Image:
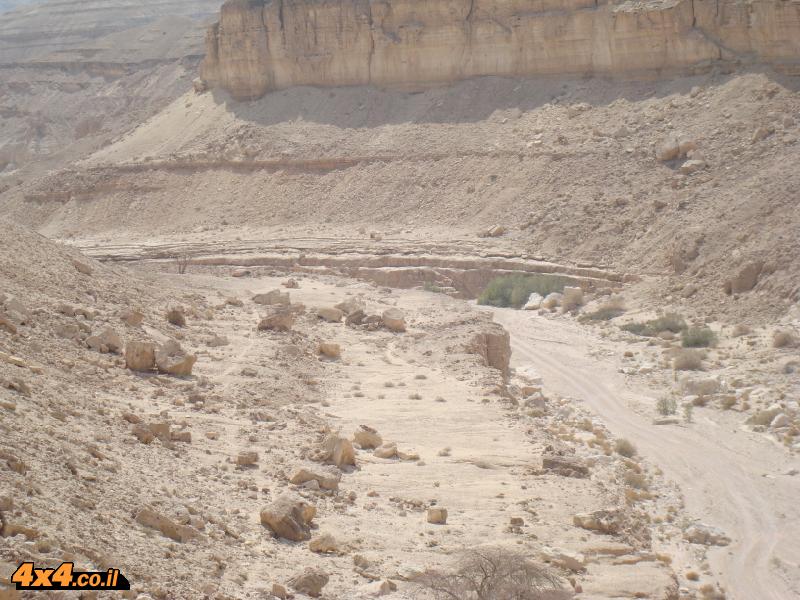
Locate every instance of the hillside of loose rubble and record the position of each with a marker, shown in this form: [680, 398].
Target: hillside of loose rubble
[74, 74]
[177, 471]
[685, 182]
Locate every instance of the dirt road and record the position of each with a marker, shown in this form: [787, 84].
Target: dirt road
[731, 478]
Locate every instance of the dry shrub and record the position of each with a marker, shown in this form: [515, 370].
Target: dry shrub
[783, 338]
[666, 406]
[698, 337]
[688, 360]
[671, 322]
[493, 573]
[625, 448]
[612, 308]
[637, 481]
[182, 264]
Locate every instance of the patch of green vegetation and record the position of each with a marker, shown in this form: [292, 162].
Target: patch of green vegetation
[514, 290]
[698, 337]
[668, 322]
[429, 286]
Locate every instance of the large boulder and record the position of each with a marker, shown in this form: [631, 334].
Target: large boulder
[563, 559]
[386, 450]
[394, 320]
[355, 318]
[172, 360]
[493, 344]
[326, 544]
[693, 166]
[289, 517]
[367, 437]
[17, 312]
[326, 477]
[7, 325]
[176, 317]
[310, 582]
[330, 314]
[348, 307]
[566, 466]
[132, 318]
[745, 279]
[437, 515]
[552, 301]
[602, 521]
[336, 450]
[279, 320]
[330, 350]
[167, 527]
[534, 302]
[706, 535]
[140, 356]
[673, 147]
[275, 297]
[107, 340]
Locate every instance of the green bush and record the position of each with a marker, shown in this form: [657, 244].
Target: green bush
[668, 322]
[429, 286]
[514, 290]
[698, 337]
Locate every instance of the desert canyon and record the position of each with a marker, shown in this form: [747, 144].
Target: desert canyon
[348, 299]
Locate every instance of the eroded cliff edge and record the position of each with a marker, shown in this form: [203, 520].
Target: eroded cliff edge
[263, 45]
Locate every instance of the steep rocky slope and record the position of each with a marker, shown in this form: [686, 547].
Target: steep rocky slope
[264, 45]
[72, 74]
[570, 168]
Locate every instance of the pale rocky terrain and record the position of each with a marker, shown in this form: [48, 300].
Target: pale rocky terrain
[275, 445]
[74, 74]
[107, 466]
[549, 161]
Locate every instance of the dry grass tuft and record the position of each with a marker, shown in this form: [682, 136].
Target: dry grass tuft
[688, 360]
[625, 448]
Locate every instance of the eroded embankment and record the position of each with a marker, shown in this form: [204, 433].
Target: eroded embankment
[454, 269]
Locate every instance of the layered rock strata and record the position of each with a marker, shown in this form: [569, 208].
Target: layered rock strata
[263, 45]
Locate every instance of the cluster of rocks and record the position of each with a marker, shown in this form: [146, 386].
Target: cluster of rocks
[354, 314]
[569, 300]
[678, 147]
[169, 358]
[291, 516]
[283, 314]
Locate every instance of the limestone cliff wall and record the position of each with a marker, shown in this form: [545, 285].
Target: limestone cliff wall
[264, 45]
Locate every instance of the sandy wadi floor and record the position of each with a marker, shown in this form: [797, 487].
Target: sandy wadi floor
[166, 477]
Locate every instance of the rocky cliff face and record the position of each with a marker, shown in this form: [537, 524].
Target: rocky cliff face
[263, 45]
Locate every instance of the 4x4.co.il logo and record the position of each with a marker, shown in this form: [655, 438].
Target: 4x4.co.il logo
[65, 577]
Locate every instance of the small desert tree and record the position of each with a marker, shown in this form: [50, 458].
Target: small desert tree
[182, 263]
[493, 573]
